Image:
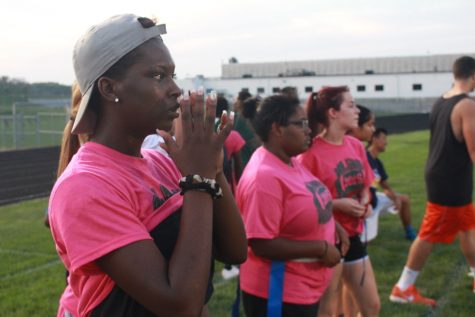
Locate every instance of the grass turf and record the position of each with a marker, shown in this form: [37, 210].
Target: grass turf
[32, 278]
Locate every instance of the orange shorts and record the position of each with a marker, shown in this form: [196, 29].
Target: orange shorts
[442, 223]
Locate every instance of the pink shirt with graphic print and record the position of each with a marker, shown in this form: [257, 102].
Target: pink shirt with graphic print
[278, 200]
[103, 201]
[344, 169]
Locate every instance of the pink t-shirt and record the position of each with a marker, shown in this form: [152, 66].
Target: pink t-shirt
[233, 143]
[278, 200]
[105, 200]
[344, 169]
[68, 302]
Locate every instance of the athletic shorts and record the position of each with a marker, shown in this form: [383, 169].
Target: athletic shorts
[442, 223]
[357, 250]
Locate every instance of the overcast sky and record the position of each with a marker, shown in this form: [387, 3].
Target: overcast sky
[37, 37]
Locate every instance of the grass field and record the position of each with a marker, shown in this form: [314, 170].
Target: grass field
[32, 278]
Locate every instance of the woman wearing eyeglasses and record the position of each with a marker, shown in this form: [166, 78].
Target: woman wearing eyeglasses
[288, 218]
[339, 160]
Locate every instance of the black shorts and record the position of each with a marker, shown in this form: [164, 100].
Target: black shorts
[357, 250]
[257, 307]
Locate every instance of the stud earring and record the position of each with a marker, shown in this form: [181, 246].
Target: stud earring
[116, 100]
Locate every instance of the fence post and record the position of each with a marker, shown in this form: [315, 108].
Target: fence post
[38, 135]
[4, 123]
[14, 126]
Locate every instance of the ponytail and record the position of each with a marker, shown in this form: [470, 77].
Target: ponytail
[70, 143]
[319, 103]
[313, 115]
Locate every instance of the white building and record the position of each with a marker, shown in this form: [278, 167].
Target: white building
[396, 84]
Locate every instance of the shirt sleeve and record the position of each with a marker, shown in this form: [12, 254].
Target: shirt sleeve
[261, 206]
[234, 142]
[382, 171]
[92, 218]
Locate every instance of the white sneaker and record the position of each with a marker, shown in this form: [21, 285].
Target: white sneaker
[470, 274]
[231, 273]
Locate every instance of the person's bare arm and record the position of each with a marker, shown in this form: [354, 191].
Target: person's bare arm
[388, 190]
[282, 249]
[342, 238]
[467, 115]
[229, 238]
[237, 165]
[177, 288]
[349, 206]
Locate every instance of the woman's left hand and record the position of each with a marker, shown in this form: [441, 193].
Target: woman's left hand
[368, 211]
[342, 239]
[225, 120]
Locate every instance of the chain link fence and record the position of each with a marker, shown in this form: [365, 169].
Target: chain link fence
[31, 126]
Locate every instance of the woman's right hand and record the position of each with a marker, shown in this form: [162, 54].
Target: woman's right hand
[349, 206]
[332, 256]
[197, 146]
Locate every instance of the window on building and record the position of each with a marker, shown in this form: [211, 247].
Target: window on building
[361, 88]
[260, 90]
[309, 89]
[276, 90]
[378, 87]
[245, 89]
[416, 86]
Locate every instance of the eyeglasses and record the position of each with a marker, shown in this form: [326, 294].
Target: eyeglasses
[301, 123]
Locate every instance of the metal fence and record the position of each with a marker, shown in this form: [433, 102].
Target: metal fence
[30, 127]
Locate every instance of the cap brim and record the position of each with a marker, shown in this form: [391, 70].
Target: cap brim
[85, 119]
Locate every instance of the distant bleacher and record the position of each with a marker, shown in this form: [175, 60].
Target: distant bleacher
[27, 174]
[404, 122]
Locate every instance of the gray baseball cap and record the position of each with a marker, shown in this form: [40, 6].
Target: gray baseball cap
[102, 46]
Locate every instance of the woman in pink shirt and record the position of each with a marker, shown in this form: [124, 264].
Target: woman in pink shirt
[339, 160]
[288, 218]
[138, 230]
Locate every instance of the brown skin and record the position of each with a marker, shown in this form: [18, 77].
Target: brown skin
[148, 95]
[401, 202]
[229, 236]
[365, 132]
[462, 120]
[286, 142]
[237, 165]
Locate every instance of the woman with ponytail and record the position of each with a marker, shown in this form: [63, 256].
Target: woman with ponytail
[138, 231]
[339, 160]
